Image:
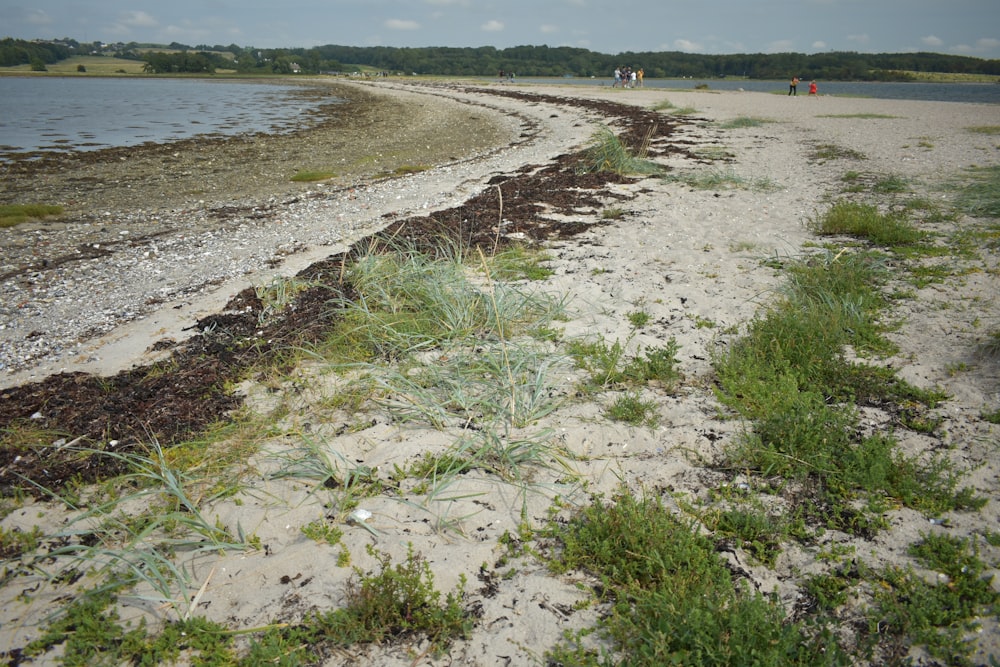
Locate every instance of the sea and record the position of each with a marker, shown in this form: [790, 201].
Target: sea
[45, 115]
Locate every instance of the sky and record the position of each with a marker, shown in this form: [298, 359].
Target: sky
[958, 27]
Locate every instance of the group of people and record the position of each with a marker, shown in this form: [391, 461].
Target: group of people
[793, 87]
[626, 77]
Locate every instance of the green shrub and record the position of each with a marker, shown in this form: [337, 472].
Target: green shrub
[673, 598]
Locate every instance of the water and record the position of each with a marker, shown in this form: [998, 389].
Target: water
[985, 93]
[49, 114]
[56, 114]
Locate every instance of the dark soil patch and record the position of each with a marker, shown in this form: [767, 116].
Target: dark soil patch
[177, 398]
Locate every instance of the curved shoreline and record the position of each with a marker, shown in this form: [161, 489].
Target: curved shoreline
[95, 292]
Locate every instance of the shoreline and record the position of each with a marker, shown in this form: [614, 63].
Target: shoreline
[148, 214]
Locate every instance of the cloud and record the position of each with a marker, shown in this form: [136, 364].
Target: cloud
[686, 45]
[987, 44]
[780, 46]
[859, 39]
[400, 24]
[931, 40]
[129, 21]
[138, 20]
[492, 26]
[819, 45]
[548, 29]
[37, 17]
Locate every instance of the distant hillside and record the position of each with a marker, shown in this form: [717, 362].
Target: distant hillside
[521, 60]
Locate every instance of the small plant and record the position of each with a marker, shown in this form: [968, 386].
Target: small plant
[396, 602]
[632, 409]
[744, 121]
[607, 366]
[825, 152]
[519, 262]
[15, 542]
[866, 221]
[608, 154]
[321, 531]
[890, 185]
[612, 213]
[407, 169]
[719, 179]
[638, 318]
[979, 194]
[278, 295]
[938, 616]
[306, 176]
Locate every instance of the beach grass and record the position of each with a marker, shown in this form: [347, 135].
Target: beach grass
[12, 215]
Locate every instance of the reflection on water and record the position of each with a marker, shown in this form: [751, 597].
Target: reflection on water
[57, 114]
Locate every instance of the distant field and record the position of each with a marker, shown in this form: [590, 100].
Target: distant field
[99, 65]
[94, 65]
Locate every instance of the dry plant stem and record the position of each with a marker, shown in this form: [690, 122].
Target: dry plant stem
[496, 241]
[503, 336]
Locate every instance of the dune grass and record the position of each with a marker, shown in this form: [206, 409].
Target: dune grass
[607, 153]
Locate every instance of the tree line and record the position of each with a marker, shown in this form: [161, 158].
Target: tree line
[521, 60]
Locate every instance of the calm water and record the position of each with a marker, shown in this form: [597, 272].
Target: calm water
[51, 114]
[986, 93]
[58, 114]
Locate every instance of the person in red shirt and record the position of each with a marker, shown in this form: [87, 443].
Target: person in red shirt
[812, 88]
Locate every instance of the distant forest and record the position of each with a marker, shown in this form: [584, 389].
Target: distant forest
[489, 61]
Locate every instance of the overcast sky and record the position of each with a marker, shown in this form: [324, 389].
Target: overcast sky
[963, 27]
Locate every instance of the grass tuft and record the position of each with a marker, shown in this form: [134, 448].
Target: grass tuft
[867, 222]
[12, 215]
[608, 154]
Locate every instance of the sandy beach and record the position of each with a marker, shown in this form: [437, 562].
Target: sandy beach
[699, 262]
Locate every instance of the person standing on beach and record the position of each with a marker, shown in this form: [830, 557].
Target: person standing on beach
[640, 74]
[618, 77]
[793, 86]
[812, 88]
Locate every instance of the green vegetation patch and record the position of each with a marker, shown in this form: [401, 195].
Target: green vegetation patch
[867, 222]
[14, 214]
[984, 129]
[745, 121]
[308, 176]
[979, 194]
[672, 597]
[789, 376]
[872, 116]
[825, 152]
